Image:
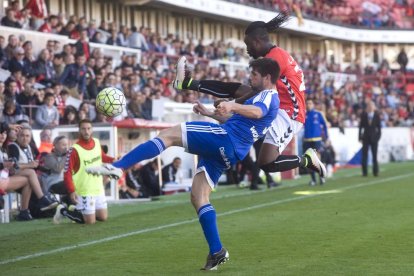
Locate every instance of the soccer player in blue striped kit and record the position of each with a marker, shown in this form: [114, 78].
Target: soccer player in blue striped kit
[218, 146]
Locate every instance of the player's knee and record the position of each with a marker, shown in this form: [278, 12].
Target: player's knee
[102, 218]
[194, 199]
[171, 136]
[197, 200]
[90, 221]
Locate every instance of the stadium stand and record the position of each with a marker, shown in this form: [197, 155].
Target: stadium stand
[140, 62]
[371, 14]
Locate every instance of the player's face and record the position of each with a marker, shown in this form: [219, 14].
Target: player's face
[85, 131]
[256, 81]
[251, 47]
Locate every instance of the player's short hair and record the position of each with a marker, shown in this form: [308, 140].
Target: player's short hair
[261, 29]
[266, 66]
[84, 121]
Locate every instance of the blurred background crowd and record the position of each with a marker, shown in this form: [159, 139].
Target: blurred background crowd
[40, 84]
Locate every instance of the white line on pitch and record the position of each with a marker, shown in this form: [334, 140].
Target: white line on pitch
[162, 227]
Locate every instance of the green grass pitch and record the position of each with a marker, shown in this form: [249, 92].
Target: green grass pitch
[350, 226]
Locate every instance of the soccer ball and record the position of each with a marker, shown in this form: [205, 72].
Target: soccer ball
[110, 102]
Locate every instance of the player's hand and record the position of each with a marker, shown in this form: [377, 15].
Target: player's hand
[199, 108]
[224, 108]
[217, 102]
[74, 198]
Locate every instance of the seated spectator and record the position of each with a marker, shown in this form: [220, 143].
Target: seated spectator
[74, 77]
[49, 25]
[148, 177]
[134, 107]
[44, 70]
[14, 84]
[24, 180]
[11, 90]
[46, 145]
[82, 45]
[18, 62]
[55, 162]
[25, 19]
[10, 19]
[60, 99]
[2, 88]
[28, 56]
[112, 39]
[131, 188]
[13, 113]
[88, 110]
[68, 29]
[47, 114]
[98, 37]
[170, 171]
[27, 97]
[70, 117]
[58, 65]
[13, 43]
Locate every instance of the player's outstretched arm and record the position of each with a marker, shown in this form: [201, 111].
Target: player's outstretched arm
[249, 111]
[200, 109]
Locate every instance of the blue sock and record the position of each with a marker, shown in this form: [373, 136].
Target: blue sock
[147, 150]
[208, 221]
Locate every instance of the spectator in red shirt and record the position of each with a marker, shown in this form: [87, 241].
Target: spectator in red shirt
[49, 25]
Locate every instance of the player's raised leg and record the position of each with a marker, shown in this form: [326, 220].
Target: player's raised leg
[150, 149]
[183, 80]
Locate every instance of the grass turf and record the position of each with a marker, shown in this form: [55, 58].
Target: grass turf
[350, 226]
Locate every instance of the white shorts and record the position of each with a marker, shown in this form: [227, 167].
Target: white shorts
[282, 130]
[89, 204]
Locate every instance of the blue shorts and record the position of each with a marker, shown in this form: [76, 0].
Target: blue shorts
[213, 147]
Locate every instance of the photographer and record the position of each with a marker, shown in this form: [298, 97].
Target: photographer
[11, 180]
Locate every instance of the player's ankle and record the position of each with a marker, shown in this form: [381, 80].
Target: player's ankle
[304, 161]
[187, 83]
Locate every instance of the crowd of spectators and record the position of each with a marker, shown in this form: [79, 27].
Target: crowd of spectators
[392, 92]
[39, 87]
[369, 14]
[58, 85]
